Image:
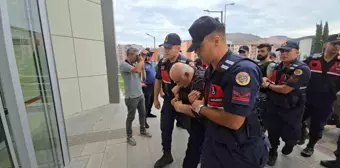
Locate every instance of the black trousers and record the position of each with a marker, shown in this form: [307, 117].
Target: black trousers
[319, 115]
[148, 95]
[195, 143]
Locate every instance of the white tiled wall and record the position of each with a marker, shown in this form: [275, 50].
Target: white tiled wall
[94, 91]
[70, 97]
[78, 45]
[64, 56]
[59, 17]
[90, 57]
[86, 19]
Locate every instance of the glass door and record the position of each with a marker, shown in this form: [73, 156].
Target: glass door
[7, 156]
[33, 70]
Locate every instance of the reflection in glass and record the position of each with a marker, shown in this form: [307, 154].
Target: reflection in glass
[35, 80]
[5, 157]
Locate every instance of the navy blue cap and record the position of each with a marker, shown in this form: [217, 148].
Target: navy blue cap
[202, 27]
[272, 54]
[244, 48]
[171, 40]
[334, 38]
[288, 45]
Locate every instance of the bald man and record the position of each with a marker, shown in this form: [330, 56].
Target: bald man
[189, 79]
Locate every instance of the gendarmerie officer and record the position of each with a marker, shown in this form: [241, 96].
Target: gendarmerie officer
[321, 92]
[172, 46]
[189, 79]
[286, 99]
[267, 67]
[233, 137]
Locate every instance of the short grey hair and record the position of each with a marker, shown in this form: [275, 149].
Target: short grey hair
[186, 69]
[131, 51]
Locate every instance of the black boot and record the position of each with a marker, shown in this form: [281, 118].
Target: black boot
[287, 149]
[330, 163]
[164, 160]
[272, 157]
[147, 125]
[307, 152]
[151, 115]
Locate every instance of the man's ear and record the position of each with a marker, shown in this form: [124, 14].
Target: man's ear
[186, 74]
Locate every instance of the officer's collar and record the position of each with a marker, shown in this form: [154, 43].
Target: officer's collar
[223, 59]
[210, 68]
[179, 57]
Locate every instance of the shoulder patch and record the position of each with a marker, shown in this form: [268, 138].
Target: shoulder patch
[298, 72]
[242, 78]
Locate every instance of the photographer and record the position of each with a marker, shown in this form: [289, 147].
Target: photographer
[134, 98]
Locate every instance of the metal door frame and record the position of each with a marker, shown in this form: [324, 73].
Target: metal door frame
[13, 91]
[54, 80]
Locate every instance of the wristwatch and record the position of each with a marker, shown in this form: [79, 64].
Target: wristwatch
[198, 109]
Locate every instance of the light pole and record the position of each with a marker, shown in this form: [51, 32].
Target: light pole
[154, 40]
[210, 11]
[225, 10]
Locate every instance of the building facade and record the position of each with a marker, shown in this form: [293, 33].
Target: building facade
[57, 60]
[306, 45]
[121, 49]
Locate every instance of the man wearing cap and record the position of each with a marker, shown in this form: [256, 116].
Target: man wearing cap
[172, 47]
[233, 137]
[130, 70]
[148, 86]
[267, 67]
[273, 56]
[286, 99]
[244, 51]
[321, 92]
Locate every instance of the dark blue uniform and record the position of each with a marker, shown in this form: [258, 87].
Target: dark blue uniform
[168, 112]
[285, 111]
[233, 87]
[197, 125]
[321, 94]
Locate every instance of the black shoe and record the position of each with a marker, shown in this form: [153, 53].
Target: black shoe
[330, 163]
[307, 152]
[147, 125]
[338, 125]
[164, 160]
[272, 158]
[151, 116]
[287, 149]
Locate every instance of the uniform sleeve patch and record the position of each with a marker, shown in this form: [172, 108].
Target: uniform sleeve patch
[298, 72]
[241, 95]
[242, 78]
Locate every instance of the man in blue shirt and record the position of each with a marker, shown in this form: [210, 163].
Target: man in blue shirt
[148, 85]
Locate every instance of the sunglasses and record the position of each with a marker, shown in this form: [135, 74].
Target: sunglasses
[241, 52]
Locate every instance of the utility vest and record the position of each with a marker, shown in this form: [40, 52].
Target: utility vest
[167, 83]
[251, 129]
[325, 83]
[295, 98]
